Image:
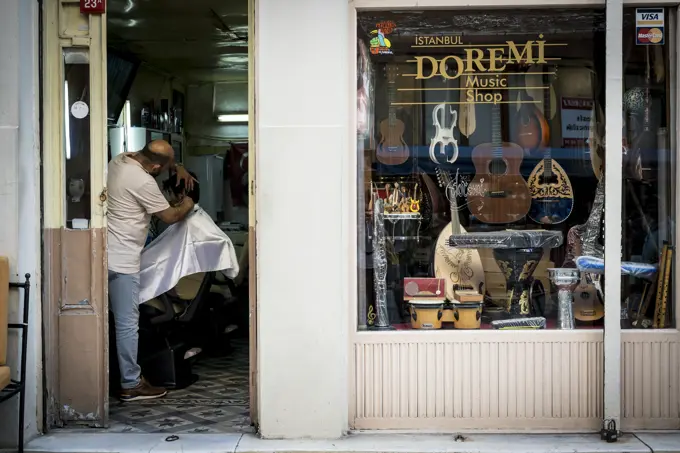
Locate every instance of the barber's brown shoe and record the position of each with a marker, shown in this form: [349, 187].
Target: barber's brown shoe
[144, 391]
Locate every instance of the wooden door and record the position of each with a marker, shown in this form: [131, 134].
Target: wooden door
[75, 305]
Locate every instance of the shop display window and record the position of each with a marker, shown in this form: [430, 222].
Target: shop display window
[480, 139]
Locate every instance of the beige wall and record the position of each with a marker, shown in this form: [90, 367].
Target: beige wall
[19, 196]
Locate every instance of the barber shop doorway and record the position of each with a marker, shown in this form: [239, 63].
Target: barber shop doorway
[167, 70]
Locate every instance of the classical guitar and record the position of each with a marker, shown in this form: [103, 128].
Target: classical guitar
[459, 267]
[582, 240]
[498, 193]
[392, 149]
[552, 197]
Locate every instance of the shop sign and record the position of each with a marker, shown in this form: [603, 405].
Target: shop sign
[482, 68]
[576, 121]
[380, 44]
[649, 26]
[92, 6]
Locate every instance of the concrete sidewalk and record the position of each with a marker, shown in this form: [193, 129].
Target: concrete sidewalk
[644, 442]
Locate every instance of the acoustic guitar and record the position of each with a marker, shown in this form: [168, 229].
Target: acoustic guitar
[552, 197]
[498, 193]
[459, 267]
[392, 149]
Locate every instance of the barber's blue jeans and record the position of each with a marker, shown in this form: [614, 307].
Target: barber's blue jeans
[124, 303]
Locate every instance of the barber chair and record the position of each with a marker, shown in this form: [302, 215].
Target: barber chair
[168, 326]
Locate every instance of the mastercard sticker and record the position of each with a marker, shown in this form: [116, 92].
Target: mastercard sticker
[649, 26]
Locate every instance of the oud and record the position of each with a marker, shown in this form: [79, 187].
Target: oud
[392, 149]
[459, 267]
[498, 193]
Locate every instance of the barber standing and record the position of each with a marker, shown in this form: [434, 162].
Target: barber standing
[133, 197]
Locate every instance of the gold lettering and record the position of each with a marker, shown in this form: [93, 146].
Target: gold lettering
[419, 66]
[477, 60]
[494, 59]
[514, 56]
[541, 52]
[443, 66]
[419, 40]
[470, 96]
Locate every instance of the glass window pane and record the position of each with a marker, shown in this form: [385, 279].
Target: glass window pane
[77, 137]
[479, 161]
[649, 172]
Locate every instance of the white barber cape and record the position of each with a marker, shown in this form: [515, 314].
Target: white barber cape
[193, 245]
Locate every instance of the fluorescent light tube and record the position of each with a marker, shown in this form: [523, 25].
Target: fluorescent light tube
[240, 118]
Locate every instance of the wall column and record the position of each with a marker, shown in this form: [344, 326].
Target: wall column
[302, 94]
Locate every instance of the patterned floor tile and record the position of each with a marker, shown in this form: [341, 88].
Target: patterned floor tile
[217, 403]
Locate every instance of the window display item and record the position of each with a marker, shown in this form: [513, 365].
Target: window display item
[517, 253]
[392, 149]
[467, 316]
[565, 280]
[426, 314]
[467, 297]
[588, 305]
[423, 288]
[382, 320]
[519, 323]
[185, 248]
[443, 135]
[498, 194]
[468, 120]
[458, 266]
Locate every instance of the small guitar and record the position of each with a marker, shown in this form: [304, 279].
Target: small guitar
[392, 149]
[498, 193]
[533, 132]
[552, 197]
[459, 267]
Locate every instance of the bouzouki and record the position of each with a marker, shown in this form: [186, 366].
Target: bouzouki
[392, 149]
[498, 193]
[552, 197]
[459, 267]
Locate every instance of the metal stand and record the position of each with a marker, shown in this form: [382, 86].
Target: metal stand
[19, 387]
[382, 320]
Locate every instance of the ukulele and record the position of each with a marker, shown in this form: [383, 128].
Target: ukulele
[498, 193]
[552, 197]
[392, 149]
[459, 267]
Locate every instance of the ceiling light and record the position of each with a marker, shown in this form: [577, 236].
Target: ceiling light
[238, 118]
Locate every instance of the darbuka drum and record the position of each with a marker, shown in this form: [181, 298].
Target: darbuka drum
[467, 316]
[426, 315]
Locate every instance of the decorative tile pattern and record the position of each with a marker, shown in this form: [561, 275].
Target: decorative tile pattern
[216, 403]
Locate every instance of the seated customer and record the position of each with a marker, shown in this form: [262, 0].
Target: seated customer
[182, 249]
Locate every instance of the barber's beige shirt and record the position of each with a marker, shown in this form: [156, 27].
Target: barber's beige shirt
[133, 196]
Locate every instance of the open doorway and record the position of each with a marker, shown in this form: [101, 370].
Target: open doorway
[178, 71]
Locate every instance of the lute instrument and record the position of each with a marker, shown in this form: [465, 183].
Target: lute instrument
[498, 194]
[459, 267]
[552, 197]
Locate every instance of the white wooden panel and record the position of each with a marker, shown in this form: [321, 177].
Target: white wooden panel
[548, 380]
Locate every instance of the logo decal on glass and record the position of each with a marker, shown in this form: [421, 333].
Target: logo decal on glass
[380, 44]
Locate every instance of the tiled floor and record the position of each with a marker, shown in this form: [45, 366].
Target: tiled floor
[216, 403]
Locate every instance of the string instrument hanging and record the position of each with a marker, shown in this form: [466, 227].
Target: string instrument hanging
[532, 131]
[392, 149]
[498, 193]
[552, 196]
[443, 136]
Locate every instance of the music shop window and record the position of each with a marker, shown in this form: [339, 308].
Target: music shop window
[481, 182]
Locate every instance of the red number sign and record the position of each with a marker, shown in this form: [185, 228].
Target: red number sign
[92, 6]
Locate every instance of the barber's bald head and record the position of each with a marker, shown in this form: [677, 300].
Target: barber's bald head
[158, 154]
